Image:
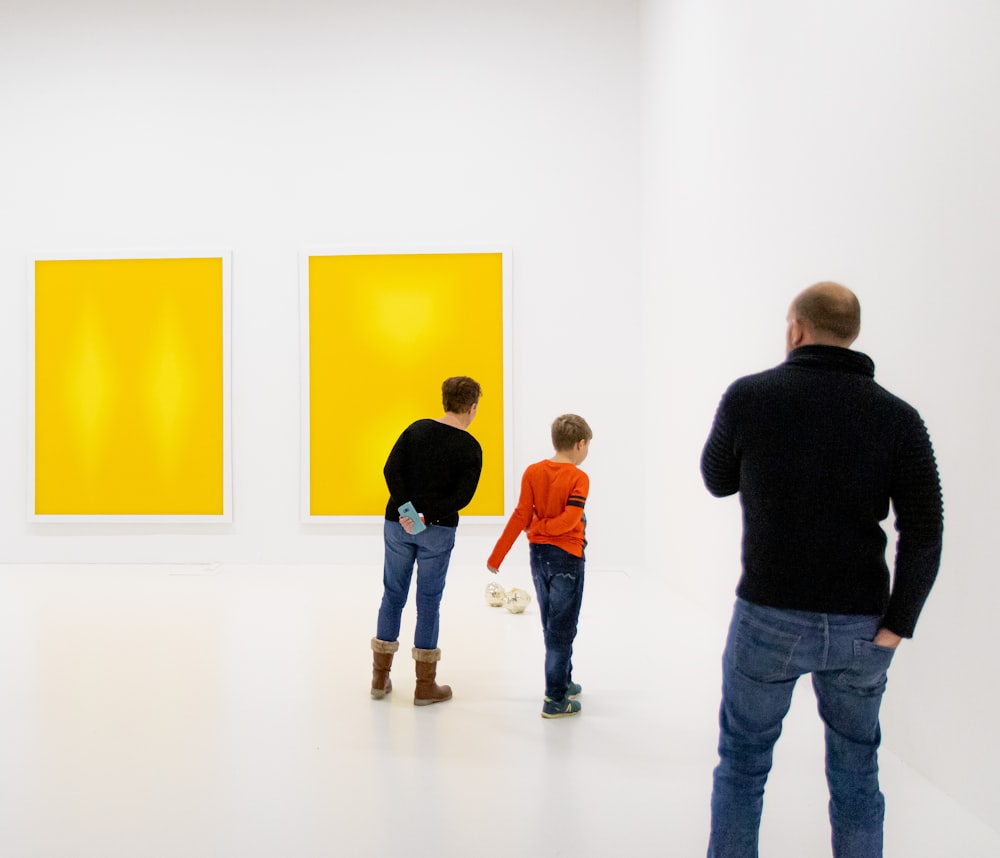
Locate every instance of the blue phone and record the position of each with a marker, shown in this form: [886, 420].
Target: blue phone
[410, 511]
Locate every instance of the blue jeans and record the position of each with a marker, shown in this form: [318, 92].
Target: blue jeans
[766, 652]
[558, 578]
[430, 550]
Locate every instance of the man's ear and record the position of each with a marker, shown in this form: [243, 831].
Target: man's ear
[796, 334]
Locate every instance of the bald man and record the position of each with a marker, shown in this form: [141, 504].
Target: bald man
[817, 452]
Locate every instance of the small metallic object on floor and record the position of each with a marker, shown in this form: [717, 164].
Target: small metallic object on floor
[517, 600]
[495, 595]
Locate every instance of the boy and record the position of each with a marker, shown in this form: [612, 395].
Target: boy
[550, 509]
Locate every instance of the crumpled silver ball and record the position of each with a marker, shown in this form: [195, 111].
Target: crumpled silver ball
[495, 595]
[517, 600]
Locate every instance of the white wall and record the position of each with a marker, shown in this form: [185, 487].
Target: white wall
[267, 127]
[782, 142]
[786, 142]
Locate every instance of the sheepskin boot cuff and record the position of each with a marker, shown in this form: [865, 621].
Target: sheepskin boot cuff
[426, 655]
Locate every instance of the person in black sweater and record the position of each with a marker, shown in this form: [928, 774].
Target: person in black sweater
[435, 465]
[818, 451]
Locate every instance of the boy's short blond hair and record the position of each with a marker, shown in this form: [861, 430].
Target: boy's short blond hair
[568, 430]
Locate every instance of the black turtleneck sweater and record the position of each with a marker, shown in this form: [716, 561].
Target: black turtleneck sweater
[817, 451]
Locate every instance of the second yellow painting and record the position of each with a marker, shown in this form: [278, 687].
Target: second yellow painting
[384, 330]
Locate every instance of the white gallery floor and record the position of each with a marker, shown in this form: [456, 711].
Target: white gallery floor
[151, 711]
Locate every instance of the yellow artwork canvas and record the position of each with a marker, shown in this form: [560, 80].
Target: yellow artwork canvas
[384, 330]
[130, 387]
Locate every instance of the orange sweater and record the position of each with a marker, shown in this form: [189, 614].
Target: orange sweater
[550, 508]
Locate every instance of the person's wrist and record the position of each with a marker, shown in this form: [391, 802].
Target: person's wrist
[886, 638]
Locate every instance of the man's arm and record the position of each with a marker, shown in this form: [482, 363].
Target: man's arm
[916, 500]
[720, 466]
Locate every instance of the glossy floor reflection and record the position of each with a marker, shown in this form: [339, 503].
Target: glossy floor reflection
[187, 711]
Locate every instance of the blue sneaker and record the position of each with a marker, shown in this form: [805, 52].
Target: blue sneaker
[559, 708]
[574, 689]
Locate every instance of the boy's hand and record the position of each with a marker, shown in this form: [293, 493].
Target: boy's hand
[492, 569]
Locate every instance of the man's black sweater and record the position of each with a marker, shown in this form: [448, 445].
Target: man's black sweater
[817, 451]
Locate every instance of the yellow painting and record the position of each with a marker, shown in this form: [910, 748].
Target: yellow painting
[130, 387]
[384, 330]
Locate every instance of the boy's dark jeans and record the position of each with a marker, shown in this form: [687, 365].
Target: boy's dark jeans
[558, 577]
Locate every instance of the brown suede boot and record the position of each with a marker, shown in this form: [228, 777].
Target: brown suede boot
[381, 664]
[427, 690]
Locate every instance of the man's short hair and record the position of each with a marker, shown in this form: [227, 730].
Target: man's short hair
[568, 430]
[831, 309]
[459, 393]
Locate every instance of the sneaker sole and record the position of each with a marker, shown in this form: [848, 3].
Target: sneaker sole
[560, 714]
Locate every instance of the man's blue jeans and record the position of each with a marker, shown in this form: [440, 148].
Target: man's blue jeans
[430, 550]
[766, 652]
[558, 578]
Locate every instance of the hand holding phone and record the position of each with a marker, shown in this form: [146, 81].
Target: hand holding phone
[408, 510]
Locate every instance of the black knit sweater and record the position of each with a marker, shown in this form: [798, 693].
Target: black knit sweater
[436, 466]
[817, 450]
